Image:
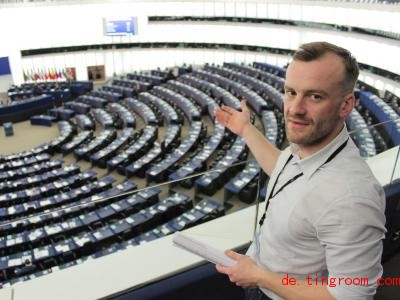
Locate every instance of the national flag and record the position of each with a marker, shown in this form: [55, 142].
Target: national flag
[25, 76]
[64, 71]
[36, 76]
[53, 75]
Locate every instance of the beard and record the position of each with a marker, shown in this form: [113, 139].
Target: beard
[314, 133]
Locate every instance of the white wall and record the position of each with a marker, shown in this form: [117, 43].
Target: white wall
[378, 52]
[128, 60]
[60, 25]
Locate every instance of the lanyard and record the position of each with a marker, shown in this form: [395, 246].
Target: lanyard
[272, 195]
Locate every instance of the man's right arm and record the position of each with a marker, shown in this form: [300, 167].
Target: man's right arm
[265, 153]
[239, 123]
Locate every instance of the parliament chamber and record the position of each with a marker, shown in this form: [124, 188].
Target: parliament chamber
[135, 154]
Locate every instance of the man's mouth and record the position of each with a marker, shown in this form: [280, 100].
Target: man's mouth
[298, 123]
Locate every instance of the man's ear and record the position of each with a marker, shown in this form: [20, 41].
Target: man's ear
[347, 105]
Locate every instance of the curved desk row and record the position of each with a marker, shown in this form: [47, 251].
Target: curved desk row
[23, 110]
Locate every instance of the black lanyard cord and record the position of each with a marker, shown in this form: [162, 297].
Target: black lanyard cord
[272, 195]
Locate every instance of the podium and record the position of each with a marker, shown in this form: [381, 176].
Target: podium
[8, 129]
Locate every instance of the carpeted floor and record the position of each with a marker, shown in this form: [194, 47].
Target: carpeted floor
[26, 137]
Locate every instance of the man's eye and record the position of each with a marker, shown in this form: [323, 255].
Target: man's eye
[316, 97]
[290, 93]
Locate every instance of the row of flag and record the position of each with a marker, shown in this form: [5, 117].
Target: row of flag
[43, 75]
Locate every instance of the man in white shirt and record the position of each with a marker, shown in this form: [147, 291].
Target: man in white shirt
[321, 237]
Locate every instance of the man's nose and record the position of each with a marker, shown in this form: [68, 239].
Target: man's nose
[298, 105]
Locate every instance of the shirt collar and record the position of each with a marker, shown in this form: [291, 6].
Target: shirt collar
[311, 164]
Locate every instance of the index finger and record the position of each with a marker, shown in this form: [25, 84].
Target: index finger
[222, 269]
[228, 109]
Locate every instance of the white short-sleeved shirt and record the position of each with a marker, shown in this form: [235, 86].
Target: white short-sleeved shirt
[329, 222]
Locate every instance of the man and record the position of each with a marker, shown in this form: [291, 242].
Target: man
[325, 217]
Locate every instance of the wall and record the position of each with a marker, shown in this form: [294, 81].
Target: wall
[68, 25]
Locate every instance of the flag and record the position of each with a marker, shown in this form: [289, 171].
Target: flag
[36, 76]
[53, 75]
[49, 74]
[25, 76]
[65, 74]
[41, 76]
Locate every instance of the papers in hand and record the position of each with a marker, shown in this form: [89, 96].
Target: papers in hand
[201, 249]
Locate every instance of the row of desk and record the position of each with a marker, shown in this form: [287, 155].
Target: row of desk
[75, 232]
[210, 182]
[78, 107]
[105, 137]
[124, 91]
[191, 112]
[234, 80]
[276, 81]
[67, 131]
[240, 183]
[21, 110]
[139, 166]
[110, 96]
[33, 180]
[136, 85]
[63, 205]
[63, 94]
[204, 211]
[85, 122]
[266, 90]
[41, 149]
[137, 148]
[36, 199]
[270, 69]
[199, 161]
[24, 161]
[38, 98]
[128, 118]
[151, 79]
[36, 168]
[169, 113]
[143, 110]
[158, 171]
[384, 113]
[361, 134]
[103, 117]
[100, 157]
[218, 93]
[82, 137]
[201, 99]
[92, 101]
[49, 254]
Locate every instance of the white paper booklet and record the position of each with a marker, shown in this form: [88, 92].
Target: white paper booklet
[199, 248]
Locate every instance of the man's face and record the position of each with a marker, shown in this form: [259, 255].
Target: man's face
[315, 104]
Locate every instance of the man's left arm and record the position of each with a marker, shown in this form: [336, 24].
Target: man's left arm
[351, 232]
[246, 273]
